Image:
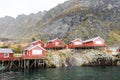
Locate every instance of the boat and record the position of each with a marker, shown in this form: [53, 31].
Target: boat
[1, 67]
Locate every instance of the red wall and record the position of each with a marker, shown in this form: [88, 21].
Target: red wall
[53, 44]
[9, 58]
[72, 45]
[30, 55]
[92, 44]
[39, 42]
[89, 44]
[118, 50]
[103, 43]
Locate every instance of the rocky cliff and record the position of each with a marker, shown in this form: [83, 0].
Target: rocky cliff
[84, 19]
[64, 58]
[74, 18]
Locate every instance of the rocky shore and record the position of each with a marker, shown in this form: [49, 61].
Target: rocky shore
[89, 57]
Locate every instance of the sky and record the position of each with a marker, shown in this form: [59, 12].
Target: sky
[14, 8]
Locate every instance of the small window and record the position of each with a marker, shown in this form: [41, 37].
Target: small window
[77, 43]
[6, 55]
[57, 43]
[36, 52]
[98, 42]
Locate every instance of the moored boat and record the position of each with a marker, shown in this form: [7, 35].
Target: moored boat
[1, 67]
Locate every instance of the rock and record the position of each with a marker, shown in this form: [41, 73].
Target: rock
[118, 63]
[64, 58]
[110, 6]
[76, 61]
[56, 60]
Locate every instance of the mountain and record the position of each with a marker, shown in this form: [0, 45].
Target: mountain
[72, 19]
[21, 28]
[84, 19]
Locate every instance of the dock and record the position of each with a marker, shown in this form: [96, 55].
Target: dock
[21, 63]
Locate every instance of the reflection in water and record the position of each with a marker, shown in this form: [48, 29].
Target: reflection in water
[70, 73]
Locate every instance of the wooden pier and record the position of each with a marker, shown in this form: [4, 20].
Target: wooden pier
[19, 63]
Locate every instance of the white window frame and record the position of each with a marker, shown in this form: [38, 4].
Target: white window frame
[36, 52]
[56, 43]
[98, 42]
[6, 55]
[77, 43]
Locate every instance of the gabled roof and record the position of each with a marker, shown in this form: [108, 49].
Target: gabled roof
[53, 40]
[93, 39]
[31, 47]
[6, 50]
[76, 39]
[36, 41]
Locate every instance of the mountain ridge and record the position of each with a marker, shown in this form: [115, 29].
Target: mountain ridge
[72, 19]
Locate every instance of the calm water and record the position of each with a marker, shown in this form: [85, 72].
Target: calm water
[71, 73]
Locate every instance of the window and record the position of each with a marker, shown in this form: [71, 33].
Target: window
[77, 43]
[98, 42]
[56, 43]
[6, 55]
[36, 52]
[39, 44]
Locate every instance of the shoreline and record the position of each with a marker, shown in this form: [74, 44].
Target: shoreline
[77, 58]
[67, 57]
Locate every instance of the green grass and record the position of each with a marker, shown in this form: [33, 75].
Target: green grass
[17, 55]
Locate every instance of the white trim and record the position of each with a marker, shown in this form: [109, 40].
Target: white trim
[98, 42]
[31, 47]
[76, 40]
[36, 52]
[6, 55]
[56, 43]
[54, 40]
[77, 43]
[93, 39]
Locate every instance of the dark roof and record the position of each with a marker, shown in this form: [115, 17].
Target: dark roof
[6, 50]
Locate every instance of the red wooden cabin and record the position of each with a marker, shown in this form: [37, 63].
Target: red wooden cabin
[38, 42]
[118, 50]
[34, 52]
[94, 42]
[77, 43]
[55, 44]
[6, 54]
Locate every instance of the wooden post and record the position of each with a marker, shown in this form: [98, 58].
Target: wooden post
[38, 63]
[27, 64]
[2, 63]
[35, 63]
[11, 64]
[24, 64]
[19, 62]
[8, 64]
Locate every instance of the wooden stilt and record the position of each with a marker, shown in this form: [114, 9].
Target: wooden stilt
[32, 64]
[38, 63]
[27, 64]
[11, 63]
[2, 63]
[19, 63]
[8, 64]
[35, 64]
[24, 64]
[14, 64]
